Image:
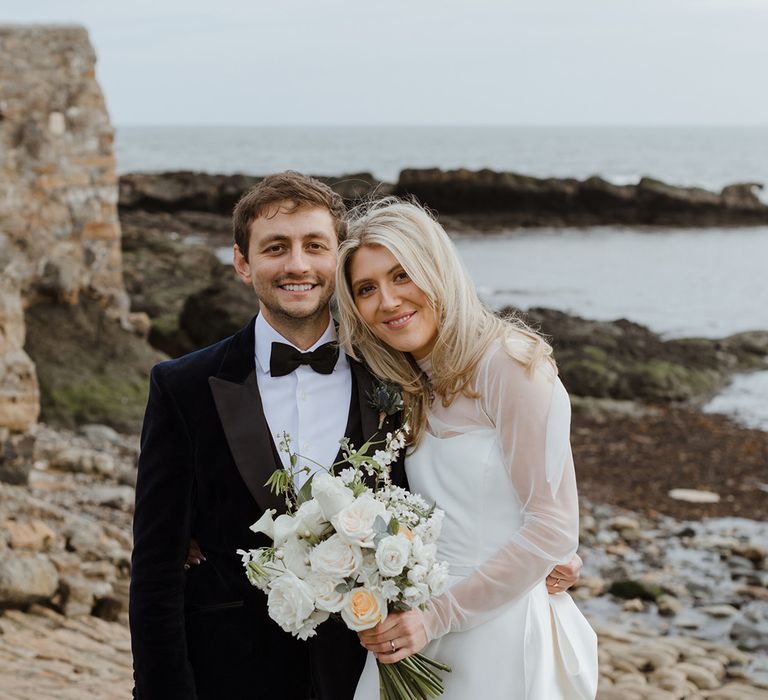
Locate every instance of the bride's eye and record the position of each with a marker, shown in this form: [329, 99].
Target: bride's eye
[402, 276]
[364, 290]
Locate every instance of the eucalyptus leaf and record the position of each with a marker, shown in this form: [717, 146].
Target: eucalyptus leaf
[305, 493]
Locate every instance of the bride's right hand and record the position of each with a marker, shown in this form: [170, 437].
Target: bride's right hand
[401, 635]
[563, 576]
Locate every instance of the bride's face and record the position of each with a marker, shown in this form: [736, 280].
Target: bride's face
[393, 307]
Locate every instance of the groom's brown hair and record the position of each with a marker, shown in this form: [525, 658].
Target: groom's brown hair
[294, 188]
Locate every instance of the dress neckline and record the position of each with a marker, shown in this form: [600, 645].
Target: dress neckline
[425, 365]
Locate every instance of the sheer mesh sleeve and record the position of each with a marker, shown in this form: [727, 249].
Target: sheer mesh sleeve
[531, 416]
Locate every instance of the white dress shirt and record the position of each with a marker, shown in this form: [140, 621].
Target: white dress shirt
[312, 408]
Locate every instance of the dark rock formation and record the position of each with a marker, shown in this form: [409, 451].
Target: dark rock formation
[219, 310]
[196, 191]
[624, 360]
[512, 199]
[90, 369]
[192, 298]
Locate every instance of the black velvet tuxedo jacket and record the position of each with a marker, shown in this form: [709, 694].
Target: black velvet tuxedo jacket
[206, 453]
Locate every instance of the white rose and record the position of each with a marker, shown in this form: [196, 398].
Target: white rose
[392, 555]
[265, 524]
[290, 602]
[437, 578]
[365, 608]
[283, 527]
[295, 556]
[355, 522]
[331, 494]
[327, 597]
[310, 519]
[336, 558]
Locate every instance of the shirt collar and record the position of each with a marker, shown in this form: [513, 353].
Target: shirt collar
[265, 335]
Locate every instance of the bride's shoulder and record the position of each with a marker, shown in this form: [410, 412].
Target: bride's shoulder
[515, 360]
[517, 351]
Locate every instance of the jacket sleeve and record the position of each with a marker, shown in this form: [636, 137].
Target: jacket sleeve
[531, 414]
[161, 532]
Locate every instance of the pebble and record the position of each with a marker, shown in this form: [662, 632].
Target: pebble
[694, 496]
[721, 611]
[668, 605]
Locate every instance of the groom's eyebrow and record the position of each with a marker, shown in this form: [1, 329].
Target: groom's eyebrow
[282, 237]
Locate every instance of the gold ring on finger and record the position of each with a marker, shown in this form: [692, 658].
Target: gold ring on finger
[392, 644]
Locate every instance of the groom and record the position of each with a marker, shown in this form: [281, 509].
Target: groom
[207, 449]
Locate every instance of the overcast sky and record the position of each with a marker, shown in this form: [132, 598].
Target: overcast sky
[542, 62]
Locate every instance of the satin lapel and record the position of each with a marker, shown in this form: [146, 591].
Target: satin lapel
[368, 417]
[242, 417]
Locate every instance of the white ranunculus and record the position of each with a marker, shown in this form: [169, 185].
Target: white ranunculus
[368, 573]
[310, 519]
[364, 609]
[355, 522]
[284, 527]
[416, 594]
[309, 628]
[389, 589]
[290, 602]
[331, 494]
[327, 597]
[336, 558]
[265, 524]
[437, 578]
[392, 554]
[296, 556]
[417, 574]
[421, 553]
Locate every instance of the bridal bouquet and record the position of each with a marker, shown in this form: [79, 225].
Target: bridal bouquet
[352, 545]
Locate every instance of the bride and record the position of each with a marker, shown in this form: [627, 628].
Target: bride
[490, 446]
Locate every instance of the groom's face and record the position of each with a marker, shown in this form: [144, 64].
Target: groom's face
[291, 262]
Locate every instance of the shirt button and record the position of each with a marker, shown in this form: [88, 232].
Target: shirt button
[303, 395]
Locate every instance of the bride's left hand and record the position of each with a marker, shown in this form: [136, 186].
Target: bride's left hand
[399, 636]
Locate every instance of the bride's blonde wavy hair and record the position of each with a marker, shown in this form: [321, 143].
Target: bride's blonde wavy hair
[466, 327]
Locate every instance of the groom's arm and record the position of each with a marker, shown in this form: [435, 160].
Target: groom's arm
[161, 532]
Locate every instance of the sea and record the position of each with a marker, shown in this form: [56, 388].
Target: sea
[680, 282]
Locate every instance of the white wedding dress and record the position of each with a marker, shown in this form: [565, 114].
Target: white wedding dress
[500, 467]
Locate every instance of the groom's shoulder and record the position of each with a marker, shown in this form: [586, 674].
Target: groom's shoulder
[200, 364]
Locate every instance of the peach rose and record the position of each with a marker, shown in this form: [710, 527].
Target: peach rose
[365, 608]
[406, 532]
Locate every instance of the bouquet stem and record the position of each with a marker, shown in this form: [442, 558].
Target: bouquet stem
[413, 678]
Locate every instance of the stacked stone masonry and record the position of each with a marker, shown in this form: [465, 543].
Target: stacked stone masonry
[59, 230]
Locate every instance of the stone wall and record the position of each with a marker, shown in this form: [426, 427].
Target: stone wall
[59, 231]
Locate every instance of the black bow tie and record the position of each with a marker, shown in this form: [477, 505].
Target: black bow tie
[285, 359]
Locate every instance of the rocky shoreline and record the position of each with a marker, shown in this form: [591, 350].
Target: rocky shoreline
[484, 199]
[680, 601]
